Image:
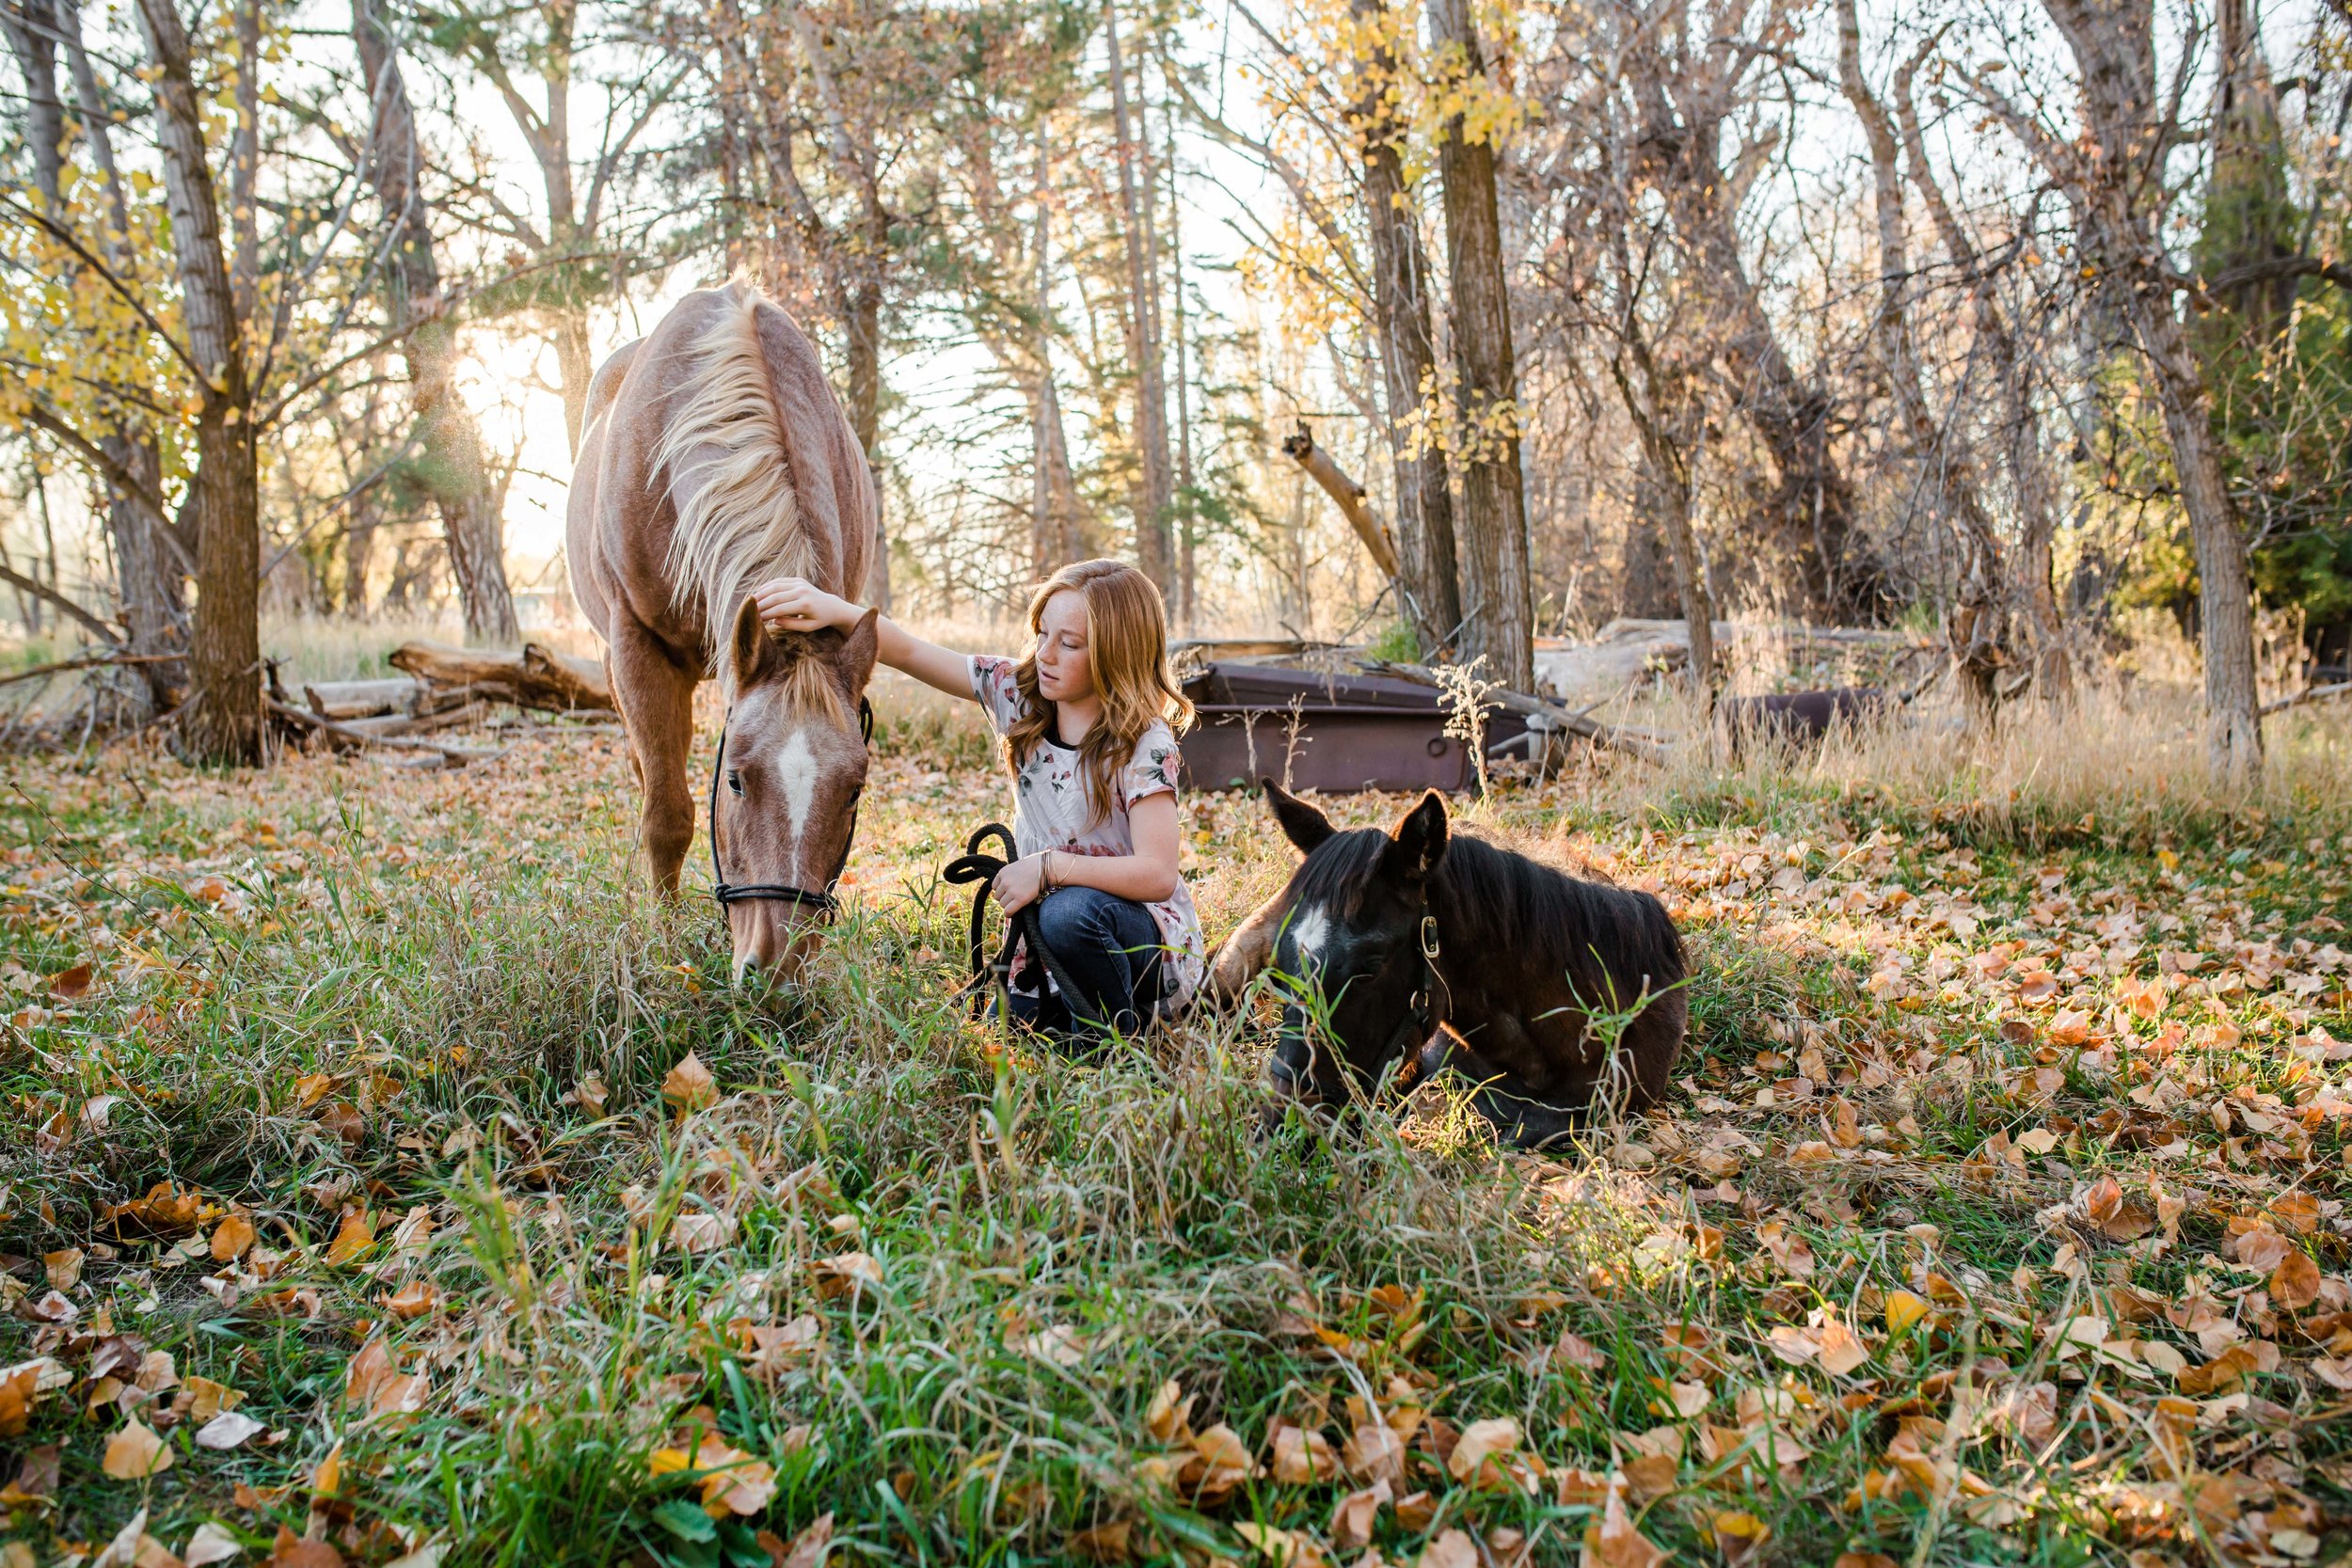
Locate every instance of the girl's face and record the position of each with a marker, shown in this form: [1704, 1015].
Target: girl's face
[1062, 675]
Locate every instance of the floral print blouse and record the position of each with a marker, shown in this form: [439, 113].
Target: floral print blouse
[1051, 811]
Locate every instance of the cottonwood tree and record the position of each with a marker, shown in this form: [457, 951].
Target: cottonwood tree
[2113, 167]
[1497, 611]
[450, 465]
[1975, 624]
[576, 260]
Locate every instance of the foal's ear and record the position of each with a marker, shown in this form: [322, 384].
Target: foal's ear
[1303, 824]
[1418, 841]
[854, 659]
[751, 647]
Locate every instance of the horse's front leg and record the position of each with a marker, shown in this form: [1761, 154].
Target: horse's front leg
[657, 702]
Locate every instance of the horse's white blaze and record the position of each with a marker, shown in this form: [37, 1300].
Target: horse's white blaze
[795, 771]
[1310, 931]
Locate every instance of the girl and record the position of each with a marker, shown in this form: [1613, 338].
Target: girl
[1089, 720]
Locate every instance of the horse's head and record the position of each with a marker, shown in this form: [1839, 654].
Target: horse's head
[785, 797]
[1349, 952]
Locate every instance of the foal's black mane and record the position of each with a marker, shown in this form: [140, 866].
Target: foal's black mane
[1496, 902]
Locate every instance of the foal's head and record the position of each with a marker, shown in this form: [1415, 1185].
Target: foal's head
[1350, 949]
[788, 781]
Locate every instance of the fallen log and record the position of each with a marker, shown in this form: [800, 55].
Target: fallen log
[536, 677]
[1555, 715]
[2308, 694]
[347, 700]
[452, 756]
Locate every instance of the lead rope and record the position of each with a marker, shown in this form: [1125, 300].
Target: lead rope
[974, 866]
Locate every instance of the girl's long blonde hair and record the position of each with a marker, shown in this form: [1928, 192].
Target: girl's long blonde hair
[1127, 660]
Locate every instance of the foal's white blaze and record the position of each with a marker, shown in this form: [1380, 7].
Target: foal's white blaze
[1312, 930]
[795, 771]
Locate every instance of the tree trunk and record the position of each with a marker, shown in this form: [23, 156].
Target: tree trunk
[1408, 359]
[32, 29]
[2233, 742]
[2118, 212]
[1974, 629]
[1055, 534]
[1498, 616]
[1189, 513]
[225, 722]
[150, 561]
[1153, 552]
[575, 366]
[2031, 486]
[864, 335]
[452, 468]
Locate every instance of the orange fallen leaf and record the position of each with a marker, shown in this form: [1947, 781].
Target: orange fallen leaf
[2294, 1283]
[136, 1452]
[232, 1237]
[689, 1085]
[352, 1238]
[71, 983]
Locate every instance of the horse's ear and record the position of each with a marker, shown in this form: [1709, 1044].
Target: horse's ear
[854, 659]
[1418, 841]
[1303, 824]
[751, 648]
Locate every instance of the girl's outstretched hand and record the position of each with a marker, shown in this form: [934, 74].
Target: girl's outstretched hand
[796, 604]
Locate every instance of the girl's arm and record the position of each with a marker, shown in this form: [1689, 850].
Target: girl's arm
[1147, 875]
[795, 604]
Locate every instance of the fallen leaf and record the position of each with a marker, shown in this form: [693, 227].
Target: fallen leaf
[845, 1274]
[1169, 1419]
[1612, 1542]
[701, 1232]
[1789, 1250]
[1453, 1548]
[1354, 1516]
[1738, 1535]
[1842, 1350]
[1374, 1453]
[591, 1093]
[411, 1301]
[1060, 1344]
[1302, 1457]
[690, 1087]
[2294, 1283]
[135, 1452]
[807, 1549]
[292, 1551]
[232, 1237]
[1481, 1443]
[1283, 1547]
[36, 1476]
[207, 1398]
[352, 1238]
[228, 1430]
[1101, 1543]
[72, 984]
[1905, 1310]
[209, 1544]
[64, 1267]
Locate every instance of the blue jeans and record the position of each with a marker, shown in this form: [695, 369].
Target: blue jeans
[1111, 949]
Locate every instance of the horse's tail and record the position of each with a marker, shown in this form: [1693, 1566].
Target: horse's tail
[728, 469]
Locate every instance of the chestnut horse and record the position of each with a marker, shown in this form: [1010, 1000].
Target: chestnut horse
[715, 456]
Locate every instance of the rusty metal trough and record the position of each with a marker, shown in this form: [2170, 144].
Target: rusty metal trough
[1324, 732]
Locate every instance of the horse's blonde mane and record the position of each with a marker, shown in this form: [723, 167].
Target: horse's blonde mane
[739, 520]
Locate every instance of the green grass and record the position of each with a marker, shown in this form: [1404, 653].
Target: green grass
[391, 995]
